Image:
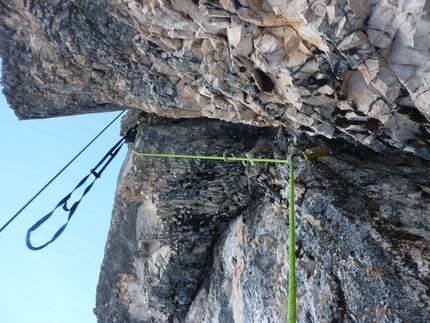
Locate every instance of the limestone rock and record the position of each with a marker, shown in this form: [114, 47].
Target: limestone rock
[336, 68]
[168, 214]
[204, 241]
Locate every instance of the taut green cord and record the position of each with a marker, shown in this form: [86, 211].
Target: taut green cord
[292, 272]
[221, 158]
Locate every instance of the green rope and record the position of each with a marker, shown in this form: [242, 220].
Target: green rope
[220, 158]
[292, 272]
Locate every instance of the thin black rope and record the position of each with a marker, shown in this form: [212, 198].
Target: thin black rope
[58, 174]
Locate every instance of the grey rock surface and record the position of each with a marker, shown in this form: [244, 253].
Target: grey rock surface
[175, 210]
[336, 68]
[204, 241]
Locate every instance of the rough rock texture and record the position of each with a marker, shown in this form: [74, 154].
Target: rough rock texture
[337, 68]
[168, 215]
[200, 241]
[203, 241]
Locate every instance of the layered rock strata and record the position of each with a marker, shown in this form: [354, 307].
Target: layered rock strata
[204, 241]
[168, 215]
[336, 68]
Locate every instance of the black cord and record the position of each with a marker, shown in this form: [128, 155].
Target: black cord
[58, 174]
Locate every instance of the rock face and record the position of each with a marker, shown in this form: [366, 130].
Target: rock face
[205, 241]
[335, 68]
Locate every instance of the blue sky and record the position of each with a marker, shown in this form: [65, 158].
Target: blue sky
[58, 283]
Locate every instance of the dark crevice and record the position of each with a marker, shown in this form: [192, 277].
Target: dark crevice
[266, 81]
